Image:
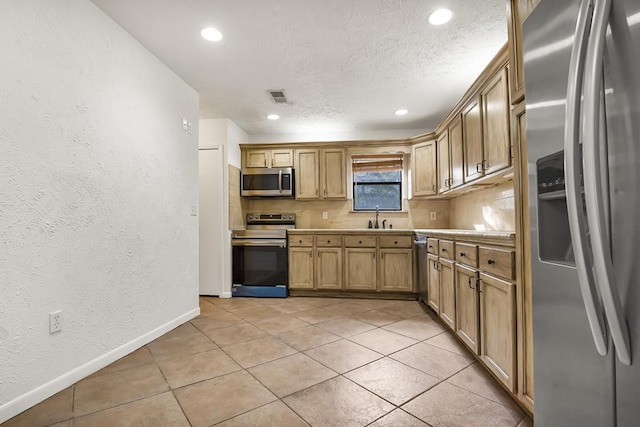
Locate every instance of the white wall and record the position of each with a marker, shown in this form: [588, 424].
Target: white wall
[97, 184]
[225, 133]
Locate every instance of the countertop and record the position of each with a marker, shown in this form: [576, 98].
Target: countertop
[502, 237]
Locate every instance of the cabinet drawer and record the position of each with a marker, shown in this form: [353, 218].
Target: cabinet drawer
[432, 246]
[497, 261]
[301, 240]
[467, 254]
[446, 249]
[396, 241]
[360, 241]
[328, 241]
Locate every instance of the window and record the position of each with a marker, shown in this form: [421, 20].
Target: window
[377, 181]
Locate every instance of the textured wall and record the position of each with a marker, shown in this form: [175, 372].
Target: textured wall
[490, 209]
[97, 184]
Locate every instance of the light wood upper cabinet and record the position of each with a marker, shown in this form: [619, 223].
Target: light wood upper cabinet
[333, 172]
[467, 307]
[301, 268]
[472, 137]
[329, 268]
[278, 158]
[444, 163]
[517, 12]
[307, 170]
[495, 111]
[320, 174]
[498, 328]
[456, 153]
[425, 169]
[396, 272]
[433, 284]
[447, 293]
[360, 269]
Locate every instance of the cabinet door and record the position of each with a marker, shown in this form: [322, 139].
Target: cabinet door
[396, 270]
[472, 140]
[360, 269]
[425, 169]
[447, 293]
[281, 158]
[307, 175]
[495, 115]
[329, 268]
[455, 150]
[498, 328]
[517, 12]
[467, 301]
[444, 165]
[301, 268]
[257, 158]
[334, 179]
[433, 284]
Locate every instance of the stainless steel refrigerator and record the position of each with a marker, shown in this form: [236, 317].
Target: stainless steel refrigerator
[582, 86]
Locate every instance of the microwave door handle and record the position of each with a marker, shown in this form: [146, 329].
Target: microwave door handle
[577, 221]
[280, 180]
[594, 194]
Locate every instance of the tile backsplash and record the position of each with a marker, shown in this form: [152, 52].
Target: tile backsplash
[489, 209]
[340, 215]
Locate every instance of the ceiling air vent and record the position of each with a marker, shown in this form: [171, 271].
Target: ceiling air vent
[277, 96]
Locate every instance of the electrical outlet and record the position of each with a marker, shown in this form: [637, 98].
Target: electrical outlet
[433, 216]
[55, 321]
[325, 215]
[190, 126]
[185, 124]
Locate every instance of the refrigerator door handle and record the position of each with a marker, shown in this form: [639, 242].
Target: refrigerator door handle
[600, 243]
[577, 221]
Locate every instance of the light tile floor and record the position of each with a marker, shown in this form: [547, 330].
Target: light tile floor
[290, 362]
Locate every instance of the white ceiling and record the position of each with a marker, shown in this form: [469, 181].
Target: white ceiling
[346, 65]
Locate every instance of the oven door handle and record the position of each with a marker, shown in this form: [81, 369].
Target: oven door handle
[259, 242]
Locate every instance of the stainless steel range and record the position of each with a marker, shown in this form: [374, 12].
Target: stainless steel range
[260, 258]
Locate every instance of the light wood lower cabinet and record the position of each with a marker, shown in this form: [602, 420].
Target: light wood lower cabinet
[447, 292]
[467, 307]
[301, 268]
[329, 268]
[396, 272]
[360, 267]
[353, 262]
[498, 328]
[433, 284]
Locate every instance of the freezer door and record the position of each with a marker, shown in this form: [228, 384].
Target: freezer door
[622, 106]
[574, 384]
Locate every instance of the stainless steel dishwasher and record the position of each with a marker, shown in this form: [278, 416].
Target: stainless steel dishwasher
[421, 271]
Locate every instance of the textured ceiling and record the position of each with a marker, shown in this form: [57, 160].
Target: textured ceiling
[346, 65]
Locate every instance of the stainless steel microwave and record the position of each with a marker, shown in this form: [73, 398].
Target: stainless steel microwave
[267, 182]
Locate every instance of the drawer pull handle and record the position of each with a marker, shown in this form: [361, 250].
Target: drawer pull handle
[299, 241]
[396, 242]
[430, 247]
[444, 250]
[328, 241]
[462, 254]
[360, 242]
[491, 262]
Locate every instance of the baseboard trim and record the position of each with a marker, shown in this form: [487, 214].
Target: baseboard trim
[225, 295]
[37, 395]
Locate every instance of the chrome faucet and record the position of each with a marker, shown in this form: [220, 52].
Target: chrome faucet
[376, 224]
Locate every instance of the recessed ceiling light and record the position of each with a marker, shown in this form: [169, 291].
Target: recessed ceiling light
[211, 34]
[401, 112]
[440, 16]
[273, 117]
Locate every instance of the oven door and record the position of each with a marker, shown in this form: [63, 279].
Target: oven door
[260, 262]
